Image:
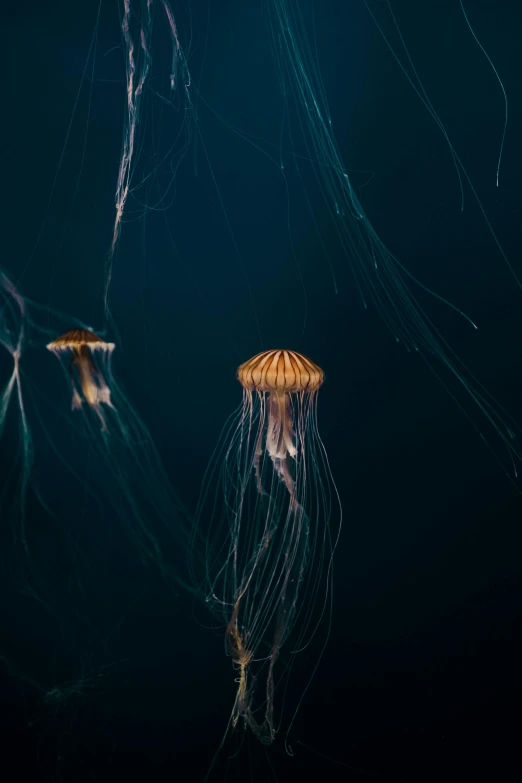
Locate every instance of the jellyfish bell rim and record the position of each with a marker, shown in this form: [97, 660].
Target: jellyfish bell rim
[101, 346]
[78, 338]
[314, 373]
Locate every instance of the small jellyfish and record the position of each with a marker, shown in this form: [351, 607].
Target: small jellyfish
[81, 344]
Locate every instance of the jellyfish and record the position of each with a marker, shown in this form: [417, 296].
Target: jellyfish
[270, 499]
[132, 475]
[116, 470]
[279, 374]
[81, 344]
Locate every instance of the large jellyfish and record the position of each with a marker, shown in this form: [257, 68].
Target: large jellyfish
[274, 521]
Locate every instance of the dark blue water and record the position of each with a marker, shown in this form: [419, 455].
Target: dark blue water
[110, 667]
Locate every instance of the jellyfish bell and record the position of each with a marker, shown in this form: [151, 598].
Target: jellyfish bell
[272, 520]
[81, 344]
[280, 371]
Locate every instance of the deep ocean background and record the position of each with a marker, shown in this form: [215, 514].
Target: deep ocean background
[421, 678]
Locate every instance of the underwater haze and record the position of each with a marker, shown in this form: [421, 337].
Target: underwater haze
[335, 178]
